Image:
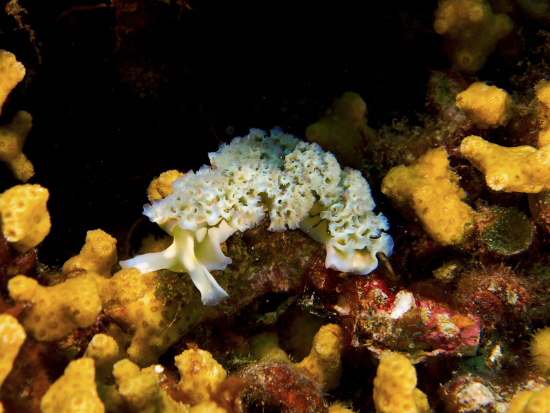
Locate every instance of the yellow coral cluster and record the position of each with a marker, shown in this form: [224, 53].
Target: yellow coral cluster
[518, 169]
[123, 288]
[530, 401]
[200, 374]
[471, 31]
[140, 390]
[542, 90]
[11, 73]
[428, 189]
[98, 255]
[540, 350]
[323, 364]
[134, 390]
[74, 391]
[12, 337]
[14, 134]
[161, 187]
[343, 129]
[96, 258]
[486, 106]
[24, 219]
[52, 312]
[12, 139]
[104, 350]
[154, 325]
[265, 347]
[395, 387]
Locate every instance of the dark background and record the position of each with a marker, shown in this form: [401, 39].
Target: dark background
[122, 92]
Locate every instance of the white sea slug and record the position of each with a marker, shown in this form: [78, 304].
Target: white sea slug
[296, 183]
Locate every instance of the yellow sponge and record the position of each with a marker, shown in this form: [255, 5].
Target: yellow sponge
[24, 218]
[12, 337]
[486, 106]
[11, 73]
[395, 387]
[518, 169]
[12, 139]
[75, 391]
[428, 189]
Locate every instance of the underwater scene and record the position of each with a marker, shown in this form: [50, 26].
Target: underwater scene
[250, 206]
